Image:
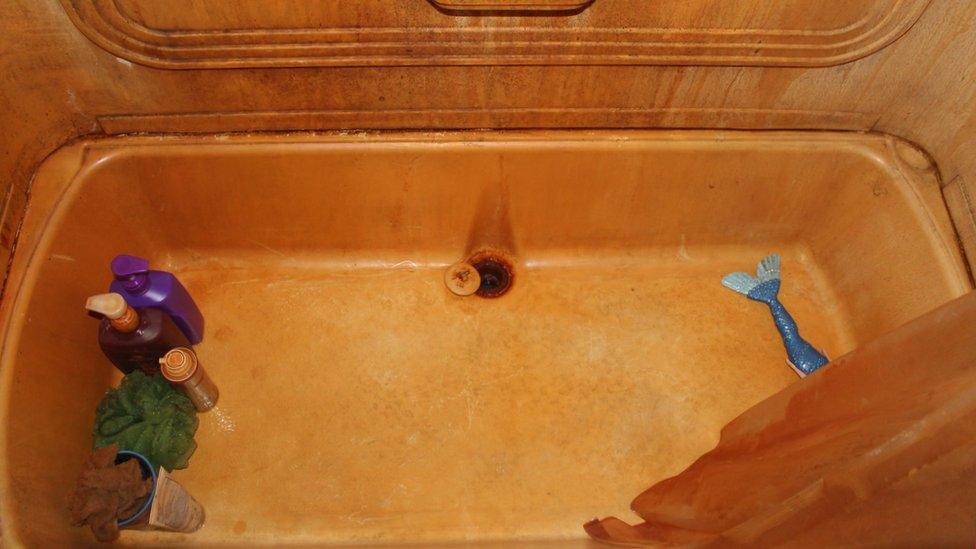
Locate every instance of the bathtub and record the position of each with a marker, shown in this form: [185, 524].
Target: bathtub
[362, 402]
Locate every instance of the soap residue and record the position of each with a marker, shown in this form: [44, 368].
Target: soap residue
[223, 420]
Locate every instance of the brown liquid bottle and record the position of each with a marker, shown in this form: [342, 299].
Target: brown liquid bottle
[181, 367]
[134, 339]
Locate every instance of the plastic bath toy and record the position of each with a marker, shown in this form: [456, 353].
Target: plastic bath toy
[764, 287]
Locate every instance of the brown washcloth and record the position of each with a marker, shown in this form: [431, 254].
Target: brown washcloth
[107, 492]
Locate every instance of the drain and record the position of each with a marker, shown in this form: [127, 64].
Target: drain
[495, 272]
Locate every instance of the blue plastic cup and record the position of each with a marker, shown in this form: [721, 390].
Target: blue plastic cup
[147, 472]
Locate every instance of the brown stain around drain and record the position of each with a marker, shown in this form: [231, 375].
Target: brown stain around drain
[497, 273]
[491, 226]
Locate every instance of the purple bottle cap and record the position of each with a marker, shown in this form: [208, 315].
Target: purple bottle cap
[132, 272]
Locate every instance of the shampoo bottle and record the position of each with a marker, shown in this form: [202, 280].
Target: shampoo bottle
[159, 290]
[134, 339]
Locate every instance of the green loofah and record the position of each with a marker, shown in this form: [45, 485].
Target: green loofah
[146, 414]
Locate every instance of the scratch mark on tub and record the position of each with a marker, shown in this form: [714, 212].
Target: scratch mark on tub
[246, 281]
[73, 101]
[683, 250]
[62, 257]
[359, 518]
[500, 379]
[266, 247]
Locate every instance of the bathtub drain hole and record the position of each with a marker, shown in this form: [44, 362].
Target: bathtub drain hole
[496, 275]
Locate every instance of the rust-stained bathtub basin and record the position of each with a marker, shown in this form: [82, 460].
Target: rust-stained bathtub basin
[362, 402]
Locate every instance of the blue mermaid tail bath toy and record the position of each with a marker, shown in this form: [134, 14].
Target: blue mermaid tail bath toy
[764, 287]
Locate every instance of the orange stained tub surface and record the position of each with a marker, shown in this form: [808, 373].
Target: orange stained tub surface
[361, 401]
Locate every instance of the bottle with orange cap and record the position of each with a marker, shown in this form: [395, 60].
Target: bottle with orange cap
[181, 367]
[134, 339]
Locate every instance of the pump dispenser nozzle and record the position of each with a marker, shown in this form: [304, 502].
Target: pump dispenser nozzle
[114, 308]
